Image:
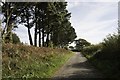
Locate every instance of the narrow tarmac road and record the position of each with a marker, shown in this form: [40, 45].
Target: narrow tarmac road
[77, 67]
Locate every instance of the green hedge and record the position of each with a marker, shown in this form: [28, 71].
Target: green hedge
[105, 56]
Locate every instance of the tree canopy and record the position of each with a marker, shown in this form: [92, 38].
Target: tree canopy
[80, 43]
[50, 21]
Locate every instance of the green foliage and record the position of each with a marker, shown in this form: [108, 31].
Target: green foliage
[15, 39]
[92, 49]
[105, 56]
[71, 47]
[20, 61]
[110, 47]
[10, 11]
[44, 17]
[81, 43]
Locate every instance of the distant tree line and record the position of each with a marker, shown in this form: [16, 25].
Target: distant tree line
[49, 19]
[79, 44]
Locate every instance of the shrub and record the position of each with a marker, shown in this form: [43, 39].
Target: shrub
[92, 49]
[15, 38]
[107, 57]
[110, 47]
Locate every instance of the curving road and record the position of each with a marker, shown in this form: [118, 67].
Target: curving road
[77, 67]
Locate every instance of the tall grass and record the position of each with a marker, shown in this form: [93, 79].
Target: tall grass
[20, 61]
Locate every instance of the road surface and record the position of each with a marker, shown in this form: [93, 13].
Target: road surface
[77, 67]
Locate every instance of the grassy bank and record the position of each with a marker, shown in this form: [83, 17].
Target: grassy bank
[20, 61]
[105, 56]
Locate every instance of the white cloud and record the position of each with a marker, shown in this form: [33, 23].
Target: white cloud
[22, 33]
[75, 3]
[93, 21]
[92, 0]
[72, 5]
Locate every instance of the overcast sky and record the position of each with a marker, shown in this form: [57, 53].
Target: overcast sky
[91, 19]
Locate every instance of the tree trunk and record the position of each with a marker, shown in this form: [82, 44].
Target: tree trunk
[48, 30]
[39, 37]
[35, 34]
[8, 27]
[47, 40]
[30, 37]
[43, 34]
[43, 43]
[29, 34]
[8, 36]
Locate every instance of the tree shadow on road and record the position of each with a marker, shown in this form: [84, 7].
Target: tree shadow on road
[83, 71]
[85, 65]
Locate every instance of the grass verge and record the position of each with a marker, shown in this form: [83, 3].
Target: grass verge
[20, 61]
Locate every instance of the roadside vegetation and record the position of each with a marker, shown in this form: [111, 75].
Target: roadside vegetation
[22, 61]
[46, 50]
[105, 56]
[53, 33]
